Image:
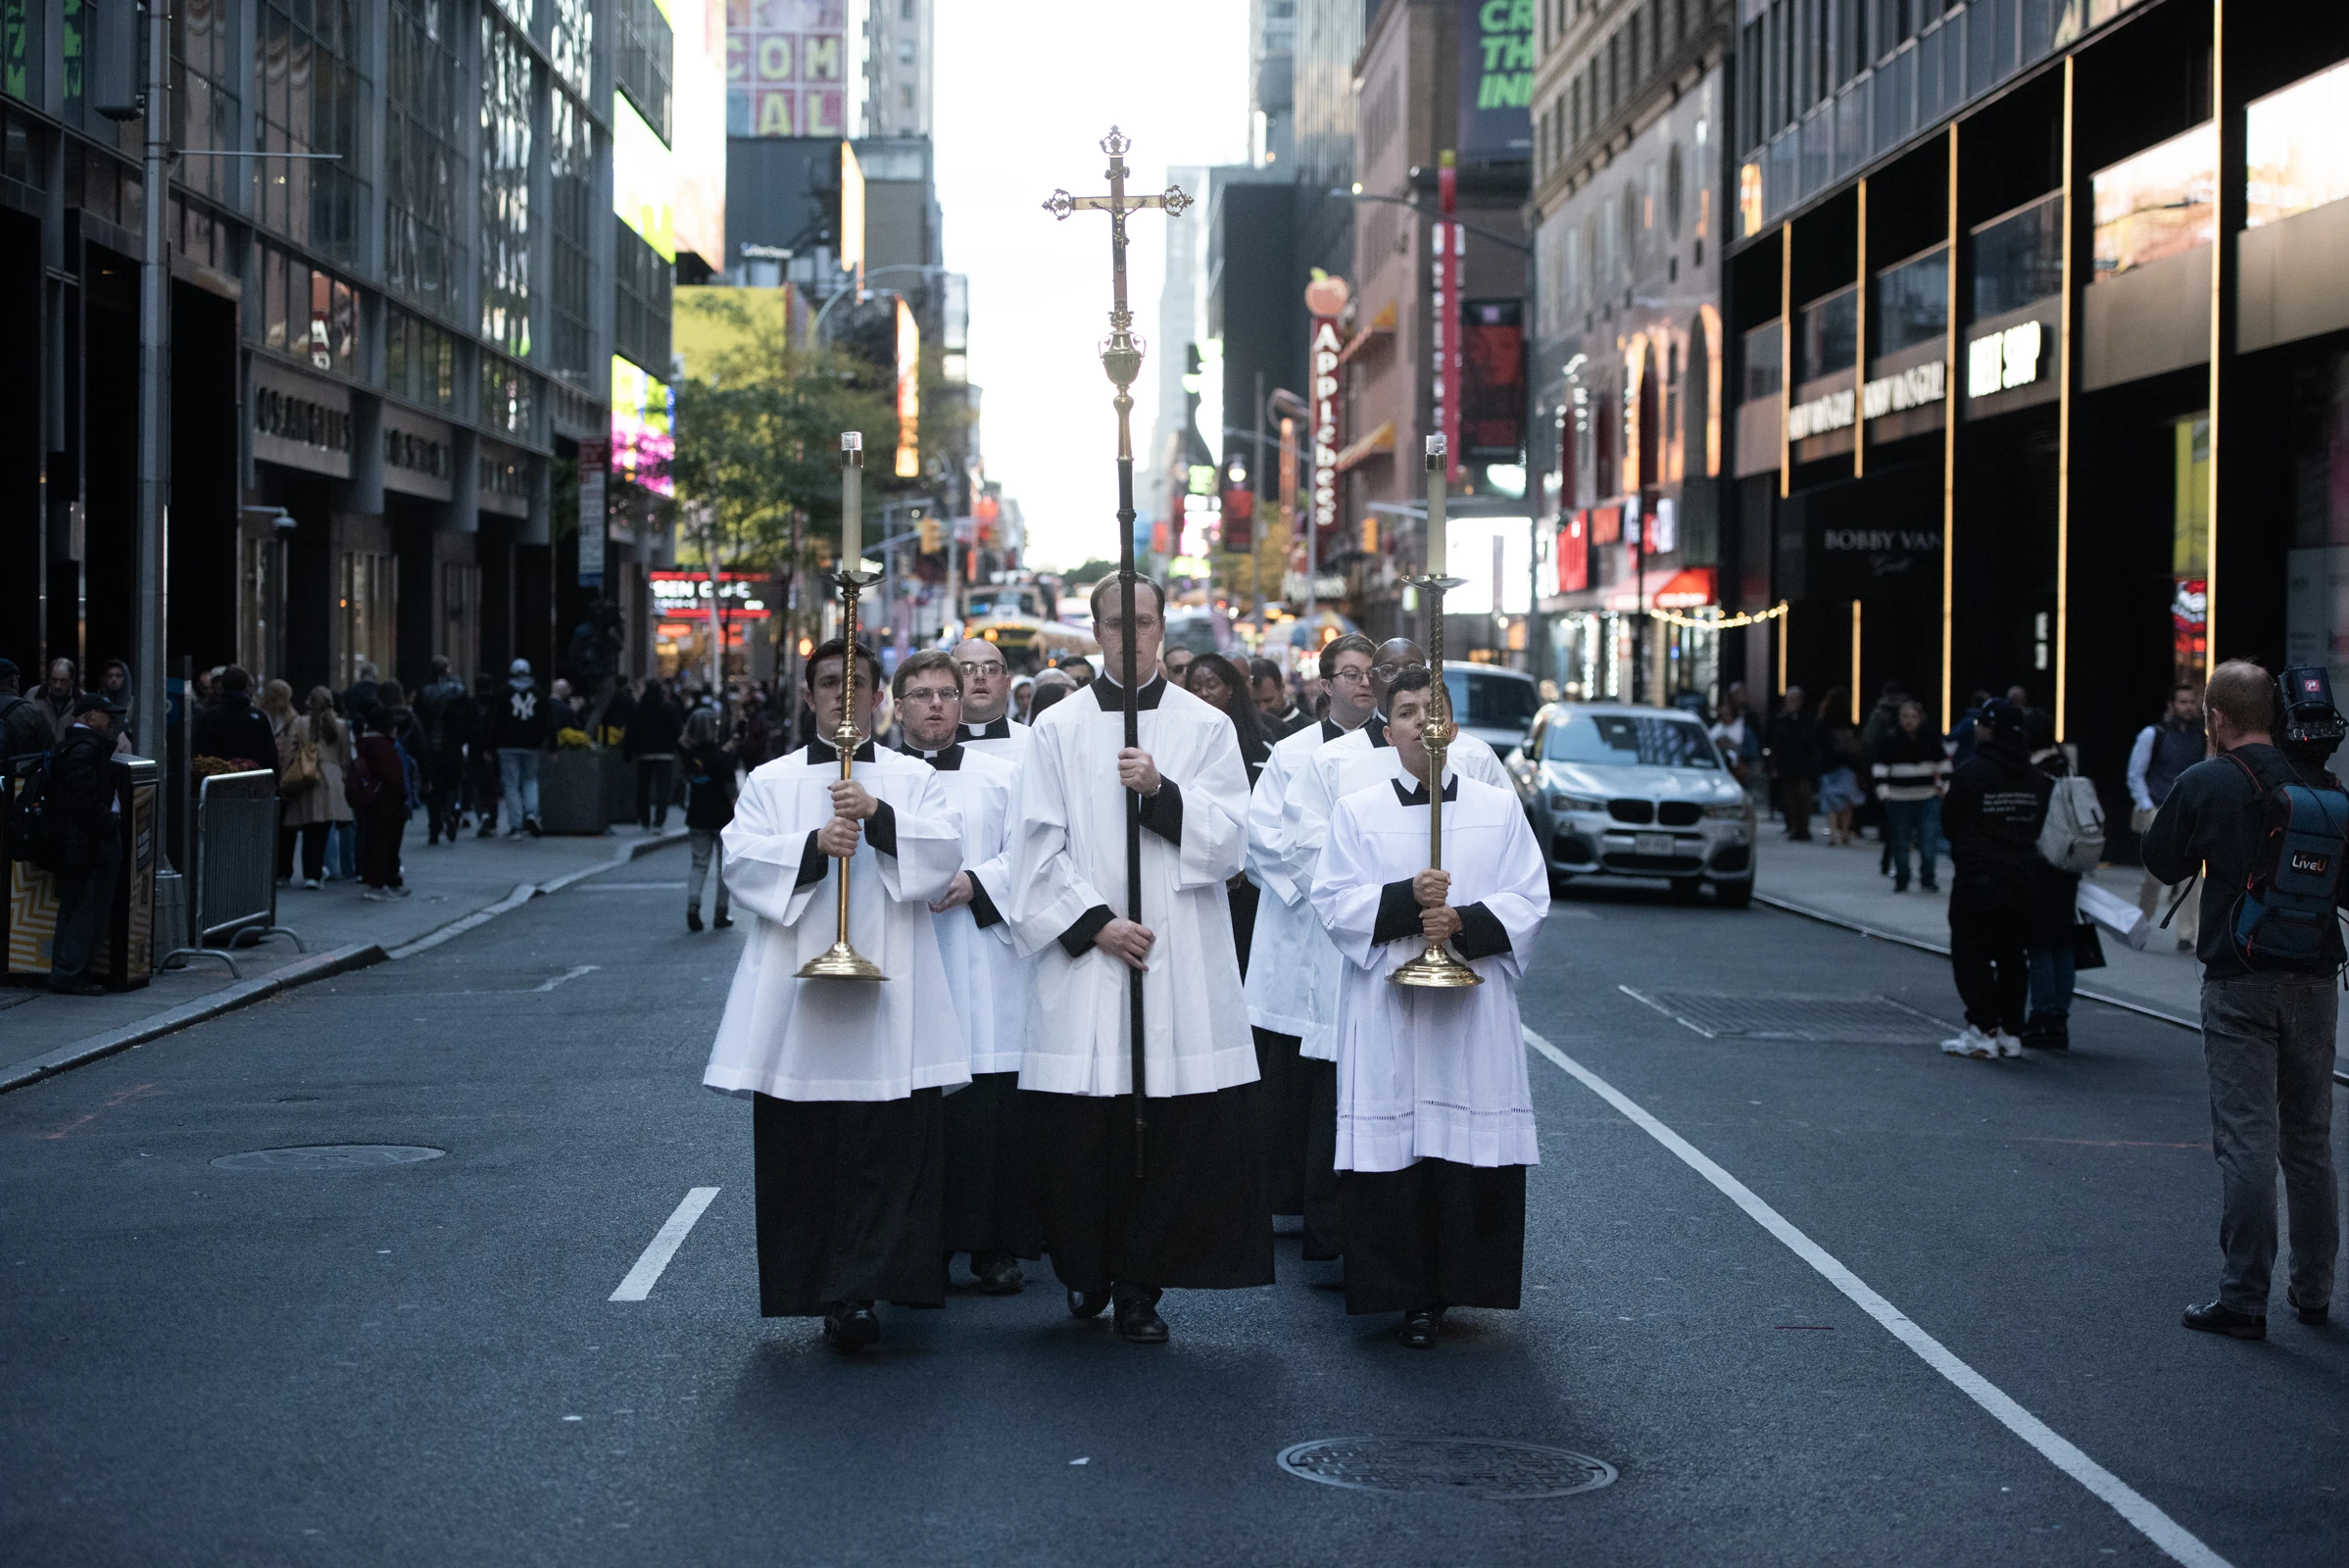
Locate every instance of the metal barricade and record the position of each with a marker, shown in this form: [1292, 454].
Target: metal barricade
[234, 898]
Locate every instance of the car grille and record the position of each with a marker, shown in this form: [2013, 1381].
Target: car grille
[1733, 858]
[1573, 849]
[1632, 811]
[1680, 813]
[1656, 864]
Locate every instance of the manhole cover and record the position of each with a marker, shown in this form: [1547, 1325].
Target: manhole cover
[330, 1156]
[1782, 1017]
[1461, 1467]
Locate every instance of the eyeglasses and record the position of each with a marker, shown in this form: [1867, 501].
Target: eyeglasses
[1388, 671]
[993, 666]
[1355, 677]
[933, 694]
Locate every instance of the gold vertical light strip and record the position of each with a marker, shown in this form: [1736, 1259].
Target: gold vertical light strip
[1949, 410]
[2062, 430]
[2219, 239]
[1859, 356]
[1855, 661]
[1785, 355]
[1784, 615]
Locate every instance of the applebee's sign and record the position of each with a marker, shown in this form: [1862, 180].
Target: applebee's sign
[1325, 298]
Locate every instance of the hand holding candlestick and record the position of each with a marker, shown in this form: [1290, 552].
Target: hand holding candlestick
[841, 961]
[1435, 967]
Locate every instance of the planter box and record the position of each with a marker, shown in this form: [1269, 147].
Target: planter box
[570, 793]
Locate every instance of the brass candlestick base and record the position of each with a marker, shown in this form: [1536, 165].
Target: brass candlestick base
[1435, 968]
[840, 961]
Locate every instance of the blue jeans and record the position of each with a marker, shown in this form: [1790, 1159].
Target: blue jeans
[1913, 824]
[2051, 975]
[517, 769]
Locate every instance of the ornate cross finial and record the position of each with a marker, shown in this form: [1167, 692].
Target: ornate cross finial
[1121, 351]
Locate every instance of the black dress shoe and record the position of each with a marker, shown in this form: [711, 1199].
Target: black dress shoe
[693, 919]
[2315, 1317]
[1087, 1303]
[1421, 1329]
[2218, 1319]
[998, 1274]
[851, 1326]
[1139, 1322]
[722, 923]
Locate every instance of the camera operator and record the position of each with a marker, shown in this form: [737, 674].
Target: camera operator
[2266, 1026]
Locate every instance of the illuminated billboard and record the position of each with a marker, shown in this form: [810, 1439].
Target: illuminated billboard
[908, 393]
[642, 177]
[1496, 80]
[644, 425]
[698, 123]
[786, 67]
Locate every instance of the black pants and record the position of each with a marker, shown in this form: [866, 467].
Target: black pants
[1991, 960]
[656, 778]
[85, 897]
[311, 836]
[1287, 1103]
[444, 788]
[850, 1202]
[1325, 1224]
[990, 1169]
[1434, 1234]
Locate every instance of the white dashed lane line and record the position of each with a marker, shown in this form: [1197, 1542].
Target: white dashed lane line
[671, 1236]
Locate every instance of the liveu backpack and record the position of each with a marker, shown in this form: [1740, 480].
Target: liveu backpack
[2071, 838]
[2284, 914]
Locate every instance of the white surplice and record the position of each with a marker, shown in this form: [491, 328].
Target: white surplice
[1068, 861]
[840, 1039]
[989, 980]
[1005, 738]
[1432, 1073]
[1287, 931]
[1334, 771]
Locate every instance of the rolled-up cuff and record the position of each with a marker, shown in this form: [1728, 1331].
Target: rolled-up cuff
[1077, 940]
[1482, 935]
[881, 830]
[1163, 812]
[981, 908]
[1399, 913]
[812, 860]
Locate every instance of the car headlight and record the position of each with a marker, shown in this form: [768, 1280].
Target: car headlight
[1726, 813]
[1560, 801]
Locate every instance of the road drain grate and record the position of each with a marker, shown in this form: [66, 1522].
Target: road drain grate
[1459, 1467]
[1765, 1015]
[330, 1156]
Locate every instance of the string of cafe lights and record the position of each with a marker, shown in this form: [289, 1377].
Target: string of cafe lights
[1753, 617]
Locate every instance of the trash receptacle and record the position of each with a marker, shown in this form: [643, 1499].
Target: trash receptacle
[570, 793]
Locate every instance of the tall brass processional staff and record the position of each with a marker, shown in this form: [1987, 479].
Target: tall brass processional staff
[1122, 356]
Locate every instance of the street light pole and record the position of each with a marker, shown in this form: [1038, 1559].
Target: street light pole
[154, 332]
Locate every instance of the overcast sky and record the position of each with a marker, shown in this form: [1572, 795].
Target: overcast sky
[1024, 93]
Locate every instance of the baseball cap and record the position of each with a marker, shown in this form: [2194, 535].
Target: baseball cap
[97, 702]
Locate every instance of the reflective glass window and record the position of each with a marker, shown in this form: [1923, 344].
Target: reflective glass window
[506, 92]
[2297, 147]
[1912, 302]
[2018, 258]
[1826, 334]
[421, 165]
[2159, 203]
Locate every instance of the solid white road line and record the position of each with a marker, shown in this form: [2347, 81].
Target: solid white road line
[2156, 1526]
[647, 1272]
[573, 973]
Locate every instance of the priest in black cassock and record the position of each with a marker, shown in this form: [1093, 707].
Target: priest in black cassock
[1195, 1219]
[987, 725]
[1435, 1113]
[844, 1076]
[989, 1206]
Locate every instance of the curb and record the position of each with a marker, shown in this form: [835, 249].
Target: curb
[302, 972]
[243, 994]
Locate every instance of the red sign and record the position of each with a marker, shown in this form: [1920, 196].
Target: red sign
[1574, 552]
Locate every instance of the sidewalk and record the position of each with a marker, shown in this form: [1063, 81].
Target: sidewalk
[474, 877]
[1843, 885]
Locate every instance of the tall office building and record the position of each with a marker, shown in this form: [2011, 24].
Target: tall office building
[895, 86]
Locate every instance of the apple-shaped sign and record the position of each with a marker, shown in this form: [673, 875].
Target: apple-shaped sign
[1326, 296]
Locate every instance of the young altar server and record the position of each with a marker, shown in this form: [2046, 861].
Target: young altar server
[987, 725]
[990, 1209]
[1337, 769]
[844, 1076]
[1435, 1114]
[1196, 1218]
[1287, 934]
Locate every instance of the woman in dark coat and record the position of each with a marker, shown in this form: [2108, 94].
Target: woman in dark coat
[1217, 681]
[376, 785]
[2055, 914]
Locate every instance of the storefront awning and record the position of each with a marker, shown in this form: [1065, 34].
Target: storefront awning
[1378, 443]
[1381, 325]
[1689, 588]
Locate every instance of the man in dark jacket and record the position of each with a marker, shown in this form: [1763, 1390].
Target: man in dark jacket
[2266, 1031]
[24, 726]
[447, 719]
[520, 733]
[652, 739]
[1787, 755]
[233, 728]
[1991, 817]
[80, 791]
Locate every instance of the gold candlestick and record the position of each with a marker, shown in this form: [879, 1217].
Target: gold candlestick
[1435, 967]
[841, 961]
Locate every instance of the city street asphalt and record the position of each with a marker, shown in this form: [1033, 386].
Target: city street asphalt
[424, 1362]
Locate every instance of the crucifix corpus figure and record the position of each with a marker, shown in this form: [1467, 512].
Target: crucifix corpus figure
[1149, 1170]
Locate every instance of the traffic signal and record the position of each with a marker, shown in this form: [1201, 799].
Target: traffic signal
[929, 536]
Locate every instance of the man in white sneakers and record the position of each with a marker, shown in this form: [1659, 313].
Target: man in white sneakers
[1991, 815]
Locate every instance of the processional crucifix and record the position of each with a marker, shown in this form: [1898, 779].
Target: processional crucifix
[1122, 356]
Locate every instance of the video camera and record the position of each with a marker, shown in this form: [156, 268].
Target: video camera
[2310, 721]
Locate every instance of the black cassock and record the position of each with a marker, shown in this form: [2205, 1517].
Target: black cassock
[850, 1201]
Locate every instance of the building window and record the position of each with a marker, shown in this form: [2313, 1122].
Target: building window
[1826, 334]
[505, 396]
[1764, 354]
[420, 162]
[645, 47]
[2018, 258]
[204, 100]
[310, 101]
[506, 92]
[641, 287]
[420, 360]
[572, 43]
[306, 313]
[2158, 203]
[2297, 146]
[572, 190]
[1912, 302]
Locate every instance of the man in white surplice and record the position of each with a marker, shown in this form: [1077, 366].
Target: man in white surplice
[987, 725]
[844, 1075]
[1287, 936]
[990, 1209]
[1195, 1219]
[1434, 1114]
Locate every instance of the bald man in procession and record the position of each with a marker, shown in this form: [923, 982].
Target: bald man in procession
[987, 725]
[1196, 1217]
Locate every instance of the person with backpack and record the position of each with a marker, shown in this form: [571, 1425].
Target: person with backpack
[2268, 835]
[2071, 843]
[376, 784]
[88, 842]
[446, 717]
[1992, 814]
[24, 727]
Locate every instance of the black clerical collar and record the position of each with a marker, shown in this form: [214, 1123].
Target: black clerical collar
[1376, 729]
[1417, 794]
[821, 749]
[999, 730]
[948, 761]
[1113, 697]
[1331, 729]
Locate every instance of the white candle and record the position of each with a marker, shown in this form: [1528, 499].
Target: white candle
[1439, 566]
[851, 499]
